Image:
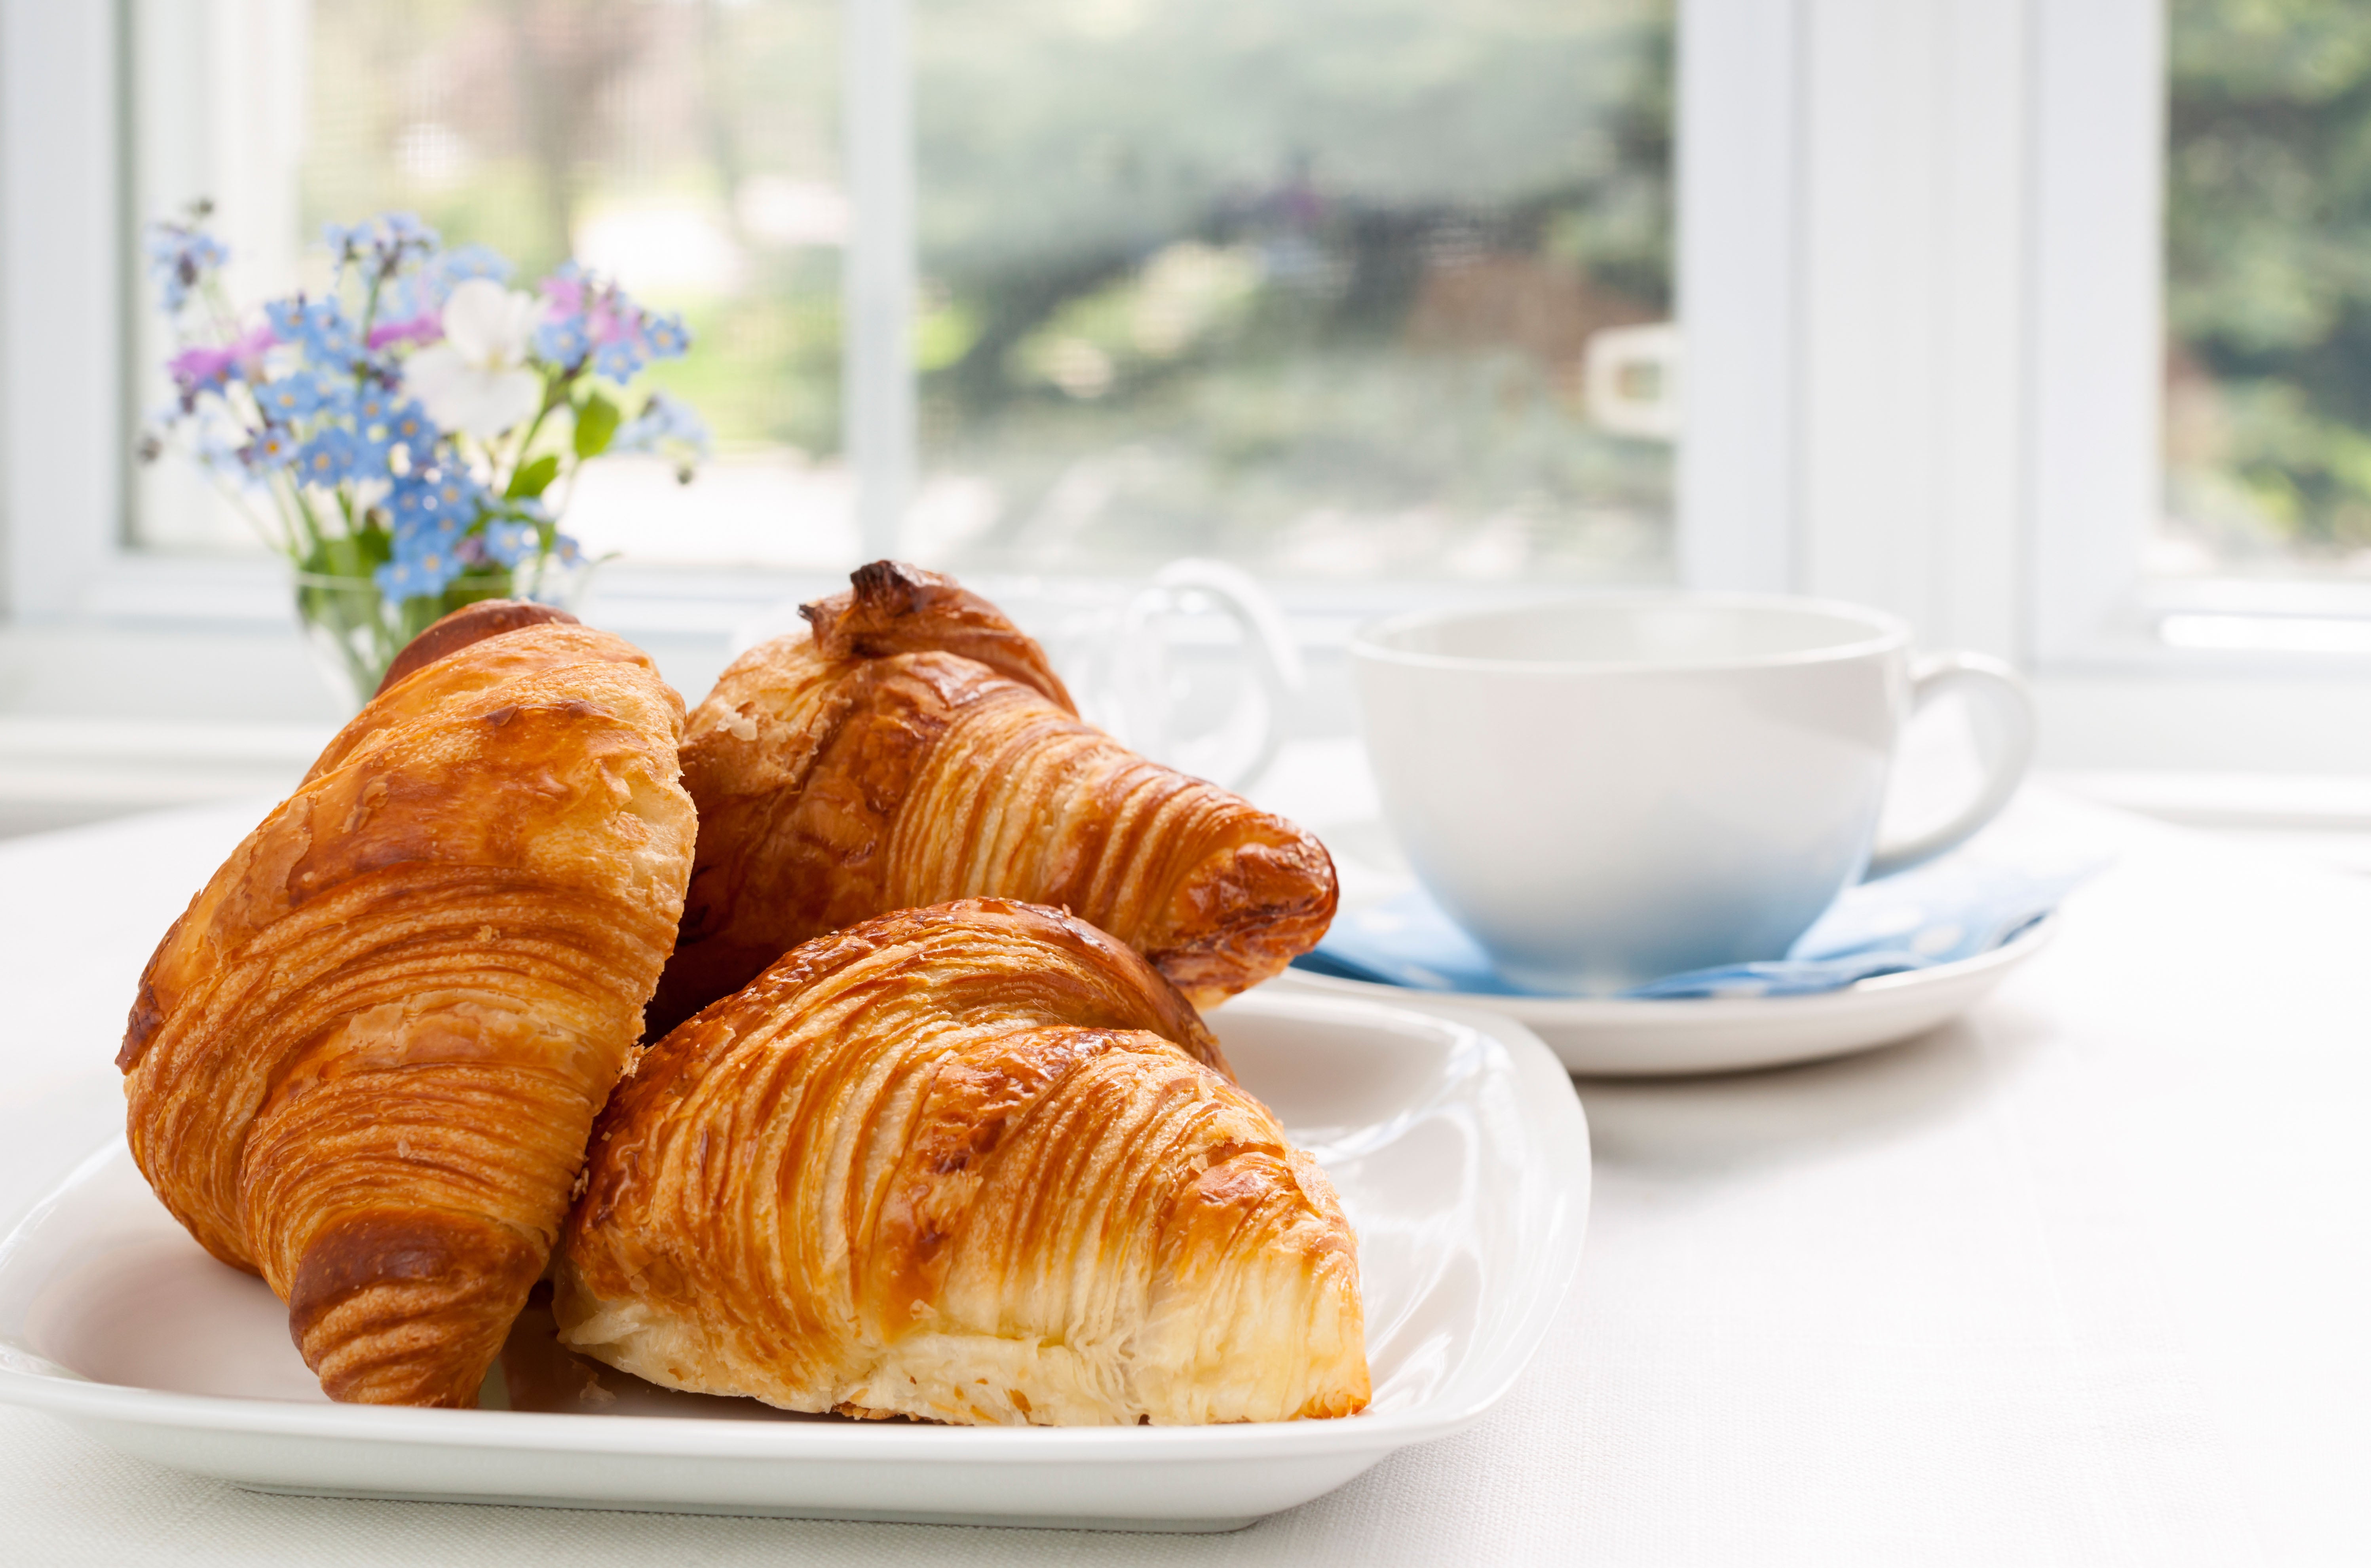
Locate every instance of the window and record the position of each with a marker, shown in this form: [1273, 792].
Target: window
[2197, 503]
[1343, 289]
[1315, 287]
[1930, 254]
[2268, 294]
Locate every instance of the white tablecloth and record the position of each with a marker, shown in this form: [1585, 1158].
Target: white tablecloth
[2081, 1279]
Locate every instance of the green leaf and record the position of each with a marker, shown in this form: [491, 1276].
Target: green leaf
[597, 422]
[532, 477]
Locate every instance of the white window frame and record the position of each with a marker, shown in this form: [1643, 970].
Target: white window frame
[1973, 370]
[2098, 483]
[61, 323]
[2115, 691]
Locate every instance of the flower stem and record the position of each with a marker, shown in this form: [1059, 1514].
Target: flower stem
[554, 393]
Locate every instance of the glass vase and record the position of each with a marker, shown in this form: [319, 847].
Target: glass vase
[353, 632]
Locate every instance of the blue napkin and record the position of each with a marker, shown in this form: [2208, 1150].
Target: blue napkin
[1952, 909]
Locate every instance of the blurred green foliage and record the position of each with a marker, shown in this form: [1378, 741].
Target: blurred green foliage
[2269, 279]
[1300, 284]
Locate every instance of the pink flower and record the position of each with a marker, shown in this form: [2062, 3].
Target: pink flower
[565, 294]
[197, 367]
[425, 328]
[200, 368]
[611, 325]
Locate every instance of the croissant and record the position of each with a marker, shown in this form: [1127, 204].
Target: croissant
[364, 1062]
[913, 747]
[974, 1163]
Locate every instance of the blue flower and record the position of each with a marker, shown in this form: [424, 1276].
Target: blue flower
[375, 404]
[434, 498]
[511, 541]
[221, 456]
[337, 400]
[405, 228]
[273, 447]
[429, 551]
[426, 540]
[562, 341]
[334, 456]
[385, 249]
[403, 298]
[456, 495]
[392, 234]
[181, 259]
[468, 261]
[618, 359]
[418, 576]
[418, 517]
[330, 337]
[667, 337]
[289, 396]
[319, 325]
[665, 421]
[412, 504]
[410, 426]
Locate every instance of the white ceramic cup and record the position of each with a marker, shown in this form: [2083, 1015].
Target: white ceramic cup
[1610, 789]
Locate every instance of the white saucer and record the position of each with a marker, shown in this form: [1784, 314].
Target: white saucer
[1613, 1038]
[1458, 1148]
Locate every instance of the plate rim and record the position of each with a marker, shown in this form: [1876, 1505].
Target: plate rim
[31, 1380]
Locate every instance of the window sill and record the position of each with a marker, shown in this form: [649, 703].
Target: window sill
[62, 772]
[212, 639]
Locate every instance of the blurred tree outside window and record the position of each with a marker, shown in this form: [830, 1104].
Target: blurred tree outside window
[2268, 290]
[1311, 286]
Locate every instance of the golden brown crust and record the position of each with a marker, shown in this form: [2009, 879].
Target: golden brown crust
[976, 1163]
[891, 607]
[495, 660]
[471, 623]
[866, 768]
[378, 1293]
[380, 1033]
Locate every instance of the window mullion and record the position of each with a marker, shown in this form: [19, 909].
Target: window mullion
[61, 476]
[1739, 195]
[2097, 324]
[877, 396]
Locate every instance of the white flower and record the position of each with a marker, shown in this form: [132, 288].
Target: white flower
[475, 380]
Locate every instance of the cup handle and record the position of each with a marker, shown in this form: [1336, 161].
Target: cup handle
[1983, 680]
[1274, 657]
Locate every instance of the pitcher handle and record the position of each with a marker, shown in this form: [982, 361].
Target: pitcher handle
[1983, 680]
[1274, 657]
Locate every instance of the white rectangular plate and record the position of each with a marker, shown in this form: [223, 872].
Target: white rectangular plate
[1457, 1144]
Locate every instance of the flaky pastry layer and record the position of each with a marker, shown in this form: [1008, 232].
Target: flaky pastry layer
[974, 1163]
[364, 1062]
[912, 746]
